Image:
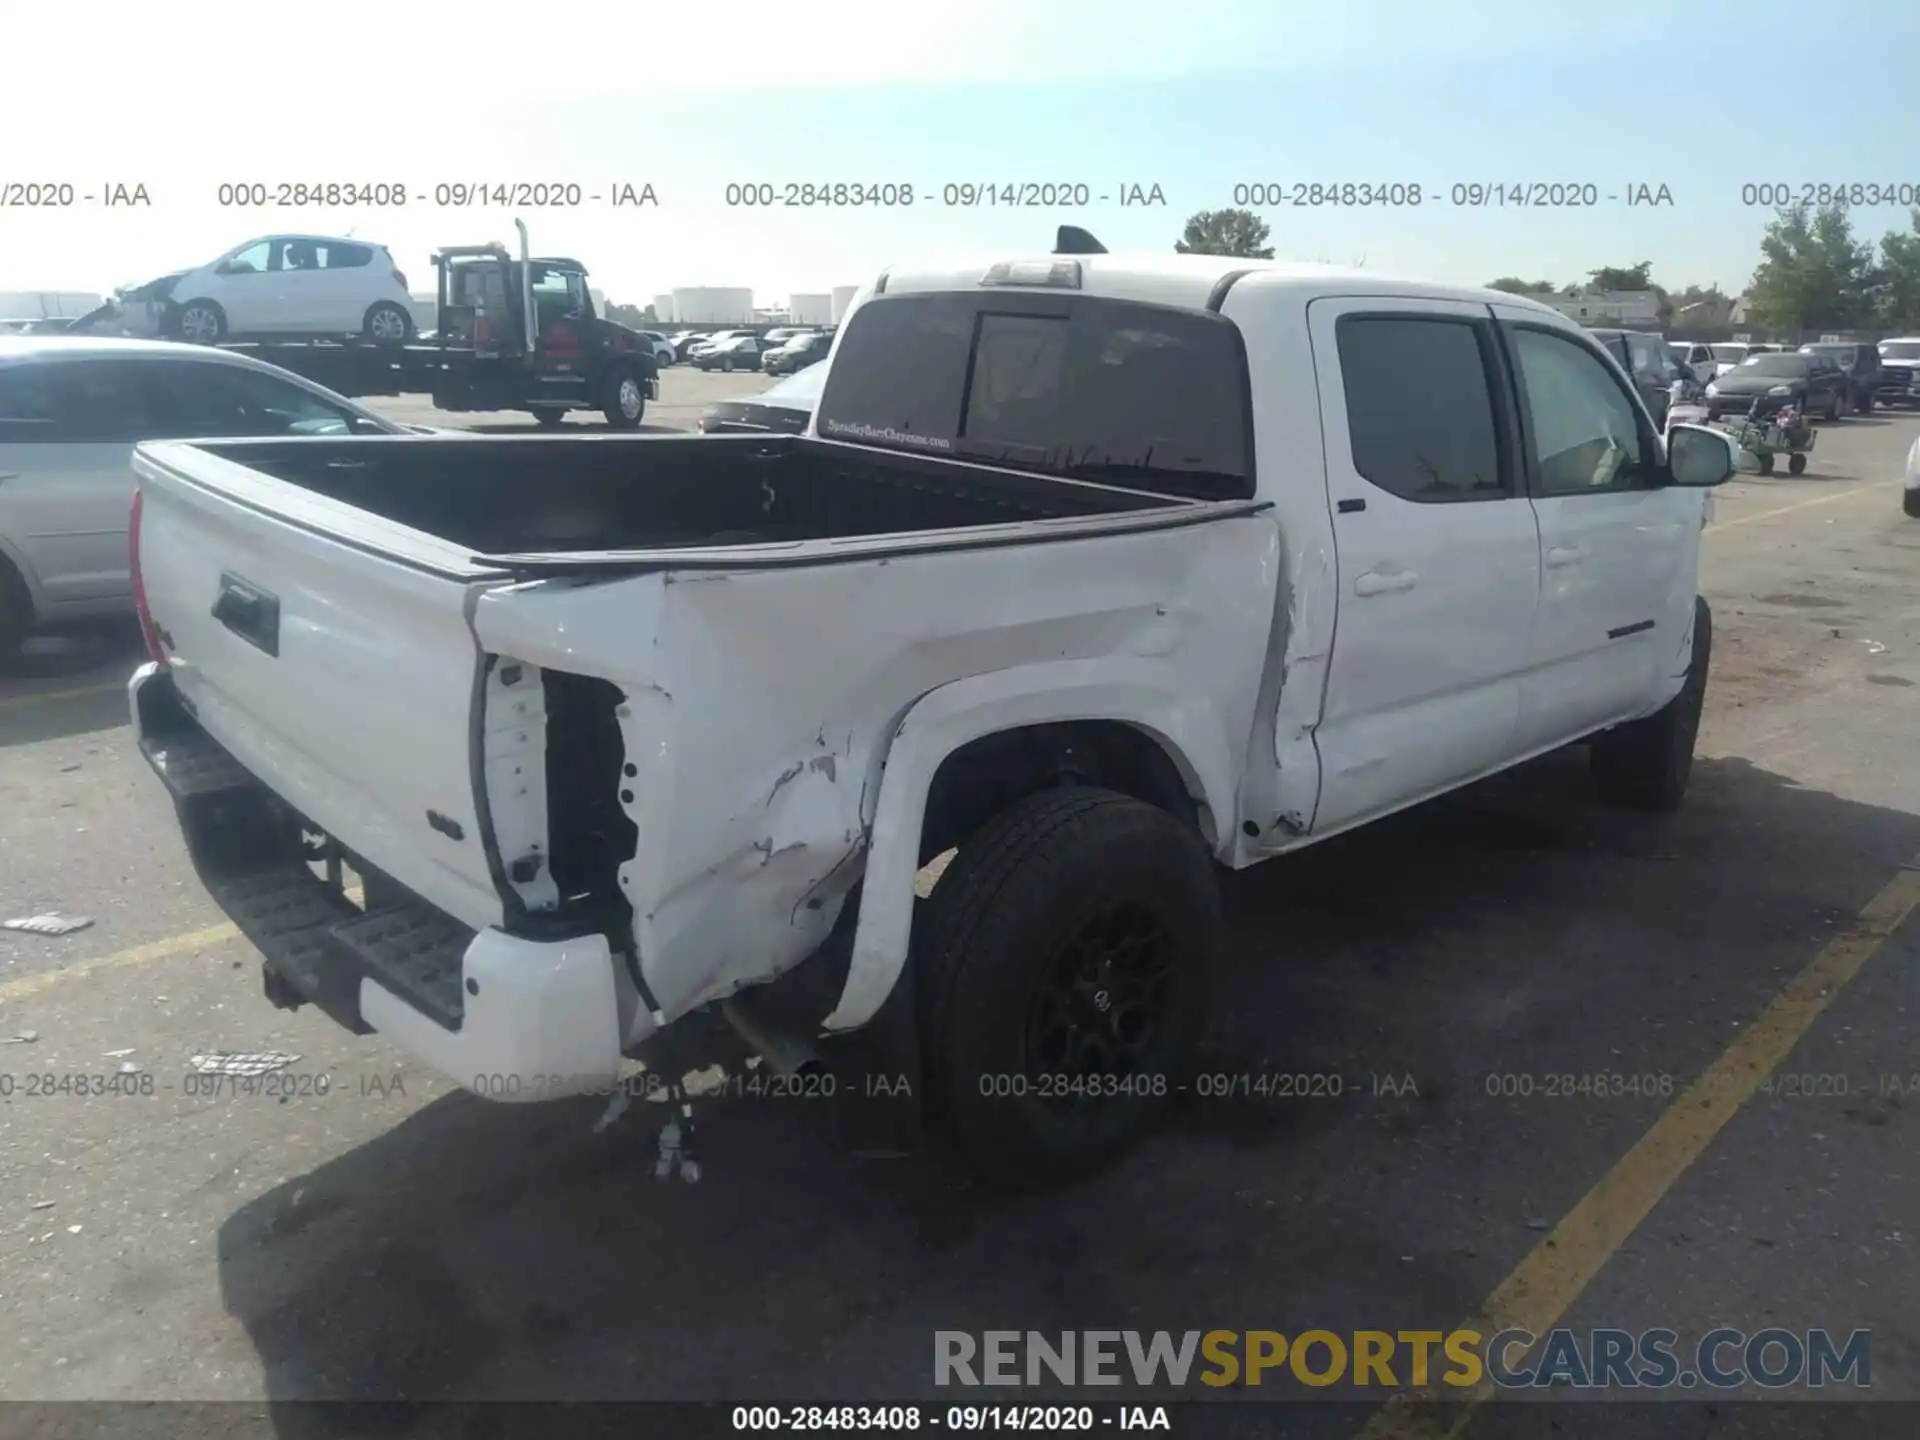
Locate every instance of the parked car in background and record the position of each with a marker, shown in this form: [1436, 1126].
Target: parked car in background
[1814, 384]
[781, 409]
[1735, 352]
[780, 334]
[685, 340]
[796, 353]
[321, 285]
[1862, 364]
[737, 352]
[663, 351]
[1900, 371]
[707, 341]
[1695, 357]
[1643, 355]
[71, 410]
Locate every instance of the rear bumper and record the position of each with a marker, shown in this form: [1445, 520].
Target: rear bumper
[510, 1017]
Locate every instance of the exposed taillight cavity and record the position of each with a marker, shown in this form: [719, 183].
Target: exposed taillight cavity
[149, 632]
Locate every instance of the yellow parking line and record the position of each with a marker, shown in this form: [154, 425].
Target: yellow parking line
[30, 985]
[47, 697]
[1546, 1283]
[139, 955]
[1804, 504]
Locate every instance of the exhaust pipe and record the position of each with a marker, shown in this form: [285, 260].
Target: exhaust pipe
[527, 317]
[785, 1054]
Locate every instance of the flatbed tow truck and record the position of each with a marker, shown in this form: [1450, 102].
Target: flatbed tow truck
[483, 354]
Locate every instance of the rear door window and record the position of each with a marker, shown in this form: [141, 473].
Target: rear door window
[1145, 396]
[1420, 415]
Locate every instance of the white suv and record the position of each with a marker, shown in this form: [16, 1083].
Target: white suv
[286, 285]
[71, 411]
[663, 354]
[1900, 370]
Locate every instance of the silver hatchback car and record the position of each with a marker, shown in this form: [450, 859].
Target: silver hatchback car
[72, 409]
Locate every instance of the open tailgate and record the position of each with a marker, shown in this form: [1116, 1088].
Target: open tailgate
[330, 652]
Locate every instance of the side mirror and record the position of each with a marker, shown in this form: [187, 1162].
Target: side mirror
[1699, 457]
[231, 267]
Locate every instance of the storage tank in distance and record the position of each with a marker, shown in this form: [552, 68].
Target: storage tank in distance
[842, 298]
[810, 309]
[713, 305]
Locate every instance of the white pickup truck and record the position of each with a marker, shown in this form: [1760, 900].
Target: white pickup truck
[1098, 571]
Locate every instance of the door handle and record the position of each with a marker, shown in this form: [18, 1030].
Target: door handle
[252, 614]
[1566, 554]
[1376, 583]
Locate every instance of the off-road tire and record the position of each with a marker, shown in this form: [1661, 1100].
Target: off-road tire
[989, 939]
[1645, 764]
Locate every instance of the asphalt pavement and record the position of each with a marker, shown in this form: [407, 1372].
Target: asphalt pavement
[369, 1232]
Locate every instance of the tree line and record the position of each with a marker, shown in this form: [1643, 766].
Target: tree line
[1815, 273]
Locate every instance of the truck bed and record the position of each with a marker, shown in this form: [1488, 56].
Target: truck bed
[653, 726]
[540, 494]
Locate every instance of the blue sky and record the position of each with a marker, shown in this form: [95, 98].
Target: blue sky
[1195, 98]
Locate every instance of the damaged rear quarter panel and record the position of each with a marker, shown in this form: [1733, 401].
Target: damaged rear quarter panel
[760, 703]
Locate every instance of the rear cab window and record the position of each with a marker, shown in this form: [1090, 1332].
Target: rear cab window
[1147, 397]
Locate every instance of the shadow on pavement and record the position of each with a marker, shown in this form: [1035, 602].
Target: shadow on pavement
[480, 1251]
[69, 683]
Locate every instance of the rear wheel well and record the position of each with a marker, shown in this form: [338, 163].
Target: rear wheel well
[985, 776]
